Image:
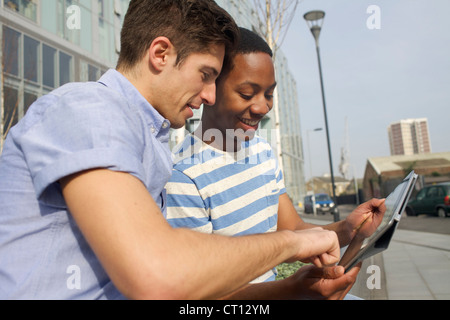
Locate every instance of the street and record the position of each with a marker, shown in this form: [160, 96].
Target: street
[423, 223]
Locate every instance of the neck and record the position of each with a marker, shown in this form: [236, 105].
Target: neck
[139, 81]
[209, 133]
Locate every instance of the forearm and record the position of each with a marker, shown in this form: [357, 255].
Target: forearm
[147, 259]
[227, 264]
[289, 219]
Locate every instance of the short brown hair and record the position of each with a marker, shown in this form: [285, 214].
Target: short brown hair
[191, 25]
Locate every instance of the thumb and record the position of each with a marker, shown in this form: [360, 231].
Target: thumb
[333, 272]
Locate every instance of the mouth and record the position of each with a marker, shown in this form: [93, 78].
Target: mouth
[192, 106]
[249, 122]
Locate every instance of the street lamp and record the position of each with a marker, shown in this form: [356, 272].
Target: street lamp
[313, 197]
[314, 20]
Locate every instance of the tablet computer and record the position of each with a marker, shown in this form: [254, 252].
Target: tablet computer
[362, 247]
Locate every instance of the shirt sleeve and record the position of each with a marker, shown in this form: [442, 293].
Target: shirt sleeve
[82, 129]
[185, 206]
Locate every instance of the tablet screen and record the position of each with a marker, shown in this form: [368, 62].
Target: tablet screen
[395, 204]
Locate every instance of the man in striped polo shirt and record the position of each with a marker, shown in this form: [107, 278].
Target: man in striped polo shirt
[226, 180]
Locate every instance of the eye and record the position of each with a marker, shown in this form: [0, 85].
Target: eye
[245, 96]
[206, 76]
[269, 96]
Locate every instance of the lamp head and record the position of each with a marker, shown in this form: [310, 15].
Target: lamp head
[314, 19]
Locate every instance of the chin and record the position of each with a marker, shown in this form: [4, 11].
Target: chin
[248, 135]
[177, 125]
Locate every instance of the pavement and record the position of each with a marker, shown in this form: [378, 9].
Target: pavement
[416, 266]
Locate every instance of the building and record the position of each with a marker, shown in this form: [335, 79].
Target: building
[410, 136]
[46, 44]
[323, 185]
[383, 174]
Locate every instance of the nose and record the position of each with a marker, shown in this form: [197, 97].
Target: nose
[208, 94]
[261, 107]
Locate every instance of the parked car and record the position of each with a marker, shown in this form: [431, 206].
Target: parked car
[433, 199]
[324, 204]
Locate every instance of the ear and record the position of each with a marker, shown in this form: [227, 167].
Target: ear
[160, 52]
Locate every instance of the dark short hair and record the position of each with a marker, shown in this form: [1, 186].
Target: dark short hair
[248, 42]
[251, 42]
[191, 25]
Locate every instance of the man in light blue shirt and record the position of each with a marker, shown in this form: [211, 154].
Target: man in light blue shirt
[82, 176]
[68, 131]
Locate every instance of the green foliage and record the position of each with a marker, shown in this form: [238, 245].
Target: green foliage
[287, 269]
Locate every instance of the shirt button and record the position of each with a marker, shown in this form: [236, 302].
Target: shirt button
[165, 125]
[152, 129]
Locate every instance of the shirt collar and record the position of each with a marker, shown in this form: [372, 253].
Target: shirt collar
[159, 126]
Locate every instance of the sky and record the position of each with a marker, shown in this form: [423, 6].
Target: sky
[372, 76]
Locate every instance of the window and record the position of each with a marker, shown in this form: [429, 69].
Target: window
[70, 34]
[30, 58]
[11, 51]
[65, 68]
[432, 192]
[48, 66]
[92, 73]
[11, 108]
[27, 8]
[421, 194]
[28, 99]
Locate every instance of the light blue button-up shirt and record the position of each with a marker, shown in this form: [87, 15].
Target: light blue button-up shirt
[80, 126]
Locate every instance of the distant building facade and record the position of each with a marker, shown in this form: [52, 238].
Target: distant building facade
[410, 136]
[382, 174]
[47, 43]
[323, 185]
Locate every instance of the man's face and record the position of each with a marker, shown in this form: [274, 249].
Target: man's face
[245, 95]
[190, 84]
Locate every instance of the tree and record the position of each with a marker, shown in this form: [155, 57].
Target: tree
[275, 17]
[8, 109]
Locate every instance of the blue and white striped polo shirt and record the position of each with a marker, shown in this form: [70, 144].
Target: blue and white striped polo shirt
[227, 193]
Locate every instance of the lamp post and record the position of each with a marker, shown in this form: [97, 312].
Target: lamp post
[313, 197]
[314, 19]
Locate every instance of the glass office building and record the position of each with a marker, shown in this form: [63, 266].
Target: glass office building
[47, 43]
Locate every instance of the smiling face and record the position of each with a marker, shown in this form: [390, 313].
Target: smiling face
[244, 97]
[189, 85]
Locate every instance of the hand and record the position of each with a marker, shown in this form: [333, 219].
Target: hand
[329, 283]
[317, 246]
[366, 218]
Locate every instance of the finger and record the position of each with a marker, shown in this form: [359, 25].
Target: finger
[332, 272]
[351, 276]
[328, 260]
[316, 261]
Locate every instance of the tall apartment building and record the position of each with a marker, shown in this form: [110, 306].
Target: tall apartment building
[47, 43]
[410, 136]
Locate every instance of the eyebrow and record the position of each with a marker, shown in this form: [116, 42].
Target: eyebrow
[256, 86]
[211, 69]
